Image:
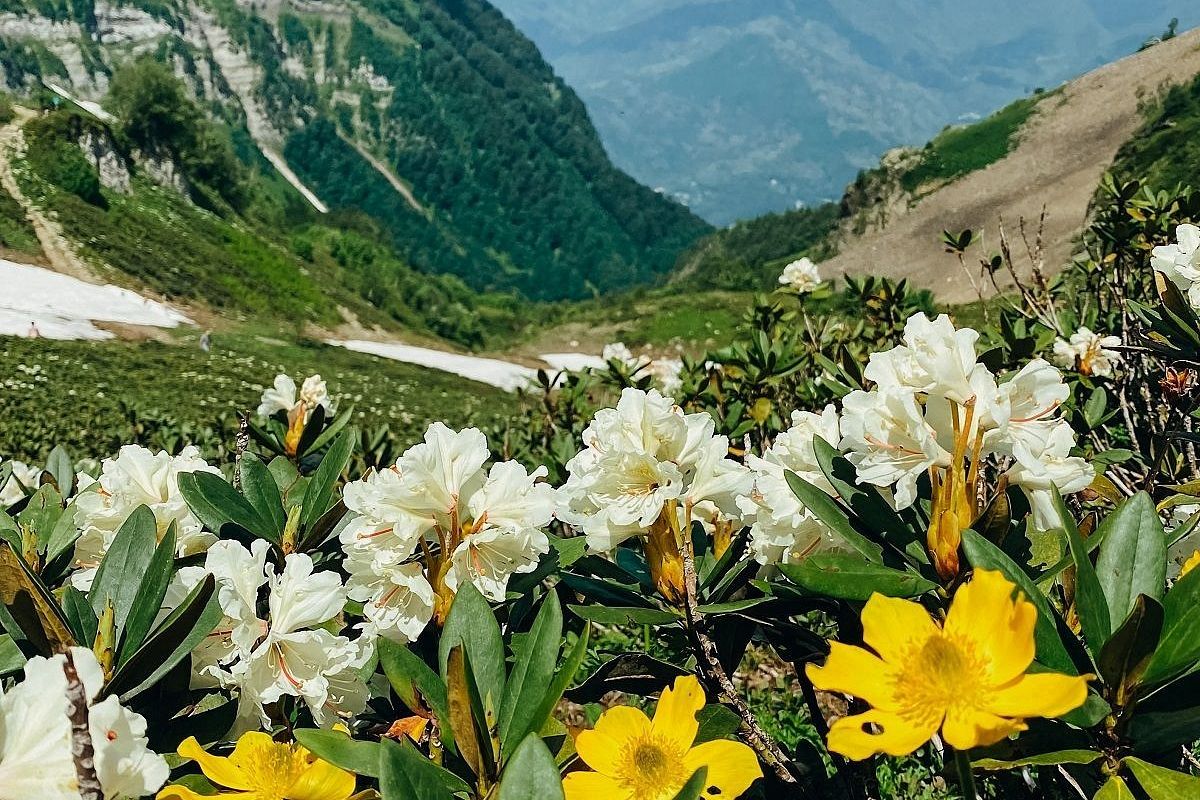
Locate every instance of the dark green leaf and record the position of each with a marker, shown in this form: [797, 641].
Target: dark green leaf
[1114, 789]
[694, 788]
[608, 615]
[531, 773]
[472, 624]
[319, 492]
[716, 722]
[828, 511]
[80, 616]
[1179, 646]
[217, 504]
[631, 673]
[261, 492]
[61, 469]
[353, 755]
[531, 675]
[1040, 760]
[847, 577]
[1161, 783]
[128, 558]
[168, 644]
[11, 658]
[1089, 597]
[416, 684]
[150, 593]
[1133, 557]
[405, 774]
[1125, 656]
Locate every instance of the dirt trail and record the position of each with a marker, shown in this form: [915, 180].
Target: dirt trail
[1063, 151]
[57, 250]
[397, 184]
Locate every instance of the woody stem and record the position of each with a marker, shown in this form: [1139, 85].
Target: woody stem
[966, 779]
[710, 665]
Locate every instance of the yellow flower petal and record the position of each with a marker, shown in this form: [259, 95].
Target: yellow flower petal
[675, 716]
[999, 629]
[967, 727]
[852, 670]
[322, 781]
[892, 626]
[221, 771]
[1040, 695]
[600, 748]
[732, 767]
[895, 735]
[1189, 565]
[593, 786]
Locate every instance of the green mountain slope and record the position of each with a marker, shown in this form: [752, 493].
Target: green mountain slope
[1166, 150]
[437, 119]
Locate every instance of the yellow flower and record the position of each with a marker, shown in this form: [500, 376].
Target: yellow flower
[1189, 565]
[967, 679]
[639, 759]
[262, 769]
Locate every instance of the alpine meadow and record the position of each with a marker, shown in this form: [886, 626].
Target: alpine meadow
[380, 419]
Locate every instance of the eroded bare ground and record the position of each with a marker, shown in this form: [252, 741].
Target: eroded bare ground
[1063, 152]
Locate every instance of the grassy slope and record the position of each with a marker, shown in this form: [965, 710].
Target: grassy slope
[1166, 151]
[80, 394]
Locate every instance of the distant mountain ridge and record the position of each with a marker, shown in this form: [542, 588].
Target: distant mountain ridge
[437, 118]
[740, 107]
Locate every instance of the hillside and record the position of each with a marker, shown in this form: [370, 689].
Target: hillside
[437, 119]
[1047, 151]
[744, 107]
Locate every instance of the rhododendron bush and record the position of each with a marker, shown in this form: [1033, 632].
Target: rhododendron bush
[963, 550]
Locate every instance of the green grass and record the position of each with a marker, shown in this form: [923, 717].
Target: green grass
[959, 150]
[1166, 150]
[93, 397]
[17, 237]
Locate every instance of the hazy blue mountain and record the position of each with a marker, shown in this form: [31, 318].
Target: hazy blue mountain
[738, 107]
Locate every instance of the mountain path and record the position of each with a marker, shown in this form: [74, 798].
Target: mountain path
[397, 184]
[1061, 155]
[56, 249]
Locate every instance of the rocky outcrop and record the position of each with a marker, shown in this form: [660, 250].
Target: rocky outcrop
[109, 163]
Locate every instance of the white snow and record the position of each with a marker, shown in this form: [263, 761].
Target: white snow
[87, 105]
[492, 371]
[573, 362]
[63, 307]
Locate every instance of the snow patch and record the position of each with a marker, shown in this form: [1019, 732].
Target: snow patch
[492, 371]
[63, 307]
[573, 362]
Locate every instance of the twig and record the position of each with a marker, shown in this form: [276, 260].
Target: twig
[242, 442]
[710, 665]
[82, 750]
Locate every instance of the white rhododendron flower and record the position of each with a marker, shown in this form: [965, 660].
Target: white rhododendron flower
[667, 372]
[618, 351]
[1089, 353]
[438, 519]
[639, 457]
[290, 652]
[1040, 467]
[281, 396]
[136, 477]
[22, 475]
[1179, 262]
[782, 529]
[35, 736]
[801, 275]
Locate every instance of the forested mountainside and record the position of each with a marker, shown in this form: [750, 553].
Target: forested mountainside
[436, 118]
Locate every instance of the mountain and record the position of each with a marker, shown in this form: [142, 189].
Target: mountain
[437, 119]
[739, 107]
[1045, 154]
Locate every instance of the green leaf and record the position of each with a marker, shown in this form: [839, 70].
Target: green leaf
[828, 511]
[562, 679]
[217, 504]
[531, 773]
[847, 577]
[695, 786]
[1050, 649]
[1158, 732]
[468, 716]
[1179, 646]
[319, 492]
[1125, 655]
[64, 534]
[1114, 789]
[1090, 601]
[61, 469]
[41, 514]
[80, 616]
[416, 684]
[11, 658]
[261, 492]
[405, 774]
[613, 615]
[353, 755]
[150, 594]
[472, 624]
[1133, 556]
[1161, 783]
[716, 722]
[863, 499]
[1040, 760]
[531, 675]
[30, 605]
[168, 644]
[128, 557]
